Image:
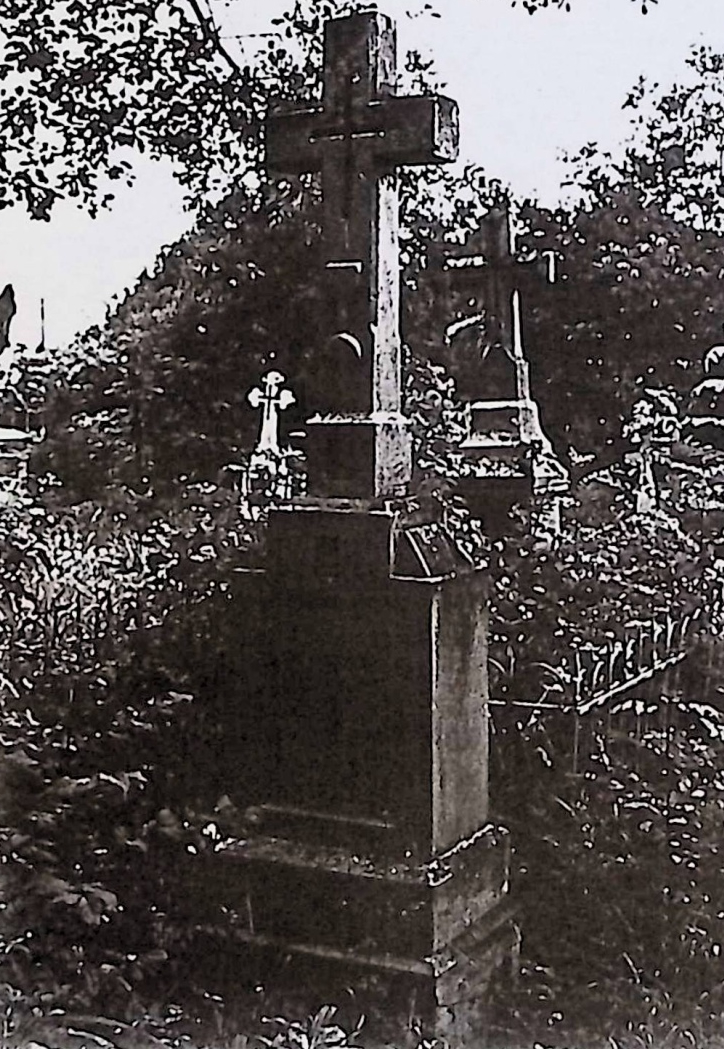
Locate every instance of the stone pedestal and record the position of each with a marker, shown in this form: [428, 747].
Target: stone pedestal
[364, 771]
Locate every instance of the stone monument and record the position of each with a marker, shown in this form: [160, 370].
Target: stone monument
[370, 851]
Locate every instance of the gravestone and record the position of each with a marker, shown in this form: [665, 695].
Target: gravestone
[274, 470]
[486, 278]
[653, 429]
[507, 457]
[369, 845]
[272, 399]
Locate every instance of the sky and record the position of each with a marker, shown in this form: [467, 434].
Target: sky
[528, 87]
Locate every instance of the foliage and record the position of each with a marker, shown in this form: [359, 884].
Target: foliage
[319, 1032]
[611, 572]
[88, 84]
[214, 301]
[111, 629]
[673, 156]
[98, 814]
[85, 82]
[621, 886]
[635, 306]
[159, 395]
[114, 636]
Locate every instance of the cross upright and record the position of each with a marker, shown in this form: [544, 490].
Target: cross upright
[272, 398]
[356, 138]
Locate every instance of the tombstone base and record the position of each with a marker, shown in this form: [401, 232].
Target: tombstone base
[416, 945]
[362, 846]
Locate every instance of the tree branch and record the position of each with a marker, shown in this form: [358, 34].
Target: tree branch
[211, 32]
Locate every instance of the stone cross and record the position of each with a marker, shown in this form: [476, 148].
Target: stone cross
[357, 137]
[360, 132]
[272, 398]
[489, 269]
[490, 272]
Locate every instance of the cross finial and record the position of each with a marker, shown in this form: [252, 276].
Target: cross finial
[272, 398]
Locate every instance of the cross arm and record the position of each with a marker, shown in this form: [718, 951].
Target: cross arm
[290, 141]
[397, 131]
[416, 130]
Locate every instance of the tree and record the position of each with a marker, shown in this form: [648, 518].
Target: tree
[636, 306]
[674, 155]
[160, 393]
[83, 82]
[86, 83]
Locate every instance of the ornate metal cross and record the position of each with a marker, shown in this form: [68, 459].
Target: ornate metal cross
[272, 398]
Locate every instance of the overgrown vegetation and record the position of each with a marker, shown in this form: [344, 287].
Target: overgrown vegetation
[628, 849]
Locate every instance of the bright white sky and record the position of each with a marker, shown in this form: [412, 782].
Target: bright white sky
[528, 88]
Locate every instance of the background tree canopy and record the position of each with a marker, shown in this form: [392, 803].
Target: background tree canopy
[159, 395]
[531, 6]
[86, 83]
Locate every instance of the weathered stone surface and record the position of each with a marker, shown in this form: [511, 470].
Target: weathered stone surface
[484, 276]
[361, 131]
[364, 840]
[429, 935]
[459, 631]
[365, 806]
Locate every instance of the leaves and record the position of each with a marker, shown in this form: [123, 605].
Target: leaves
[532, 6]
[81, 82]
[630, 846]
[317, 1032]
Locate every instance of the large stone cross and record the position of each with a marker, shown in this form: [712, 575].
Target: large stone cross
[360, 132]
[357, 137]
[272, 398]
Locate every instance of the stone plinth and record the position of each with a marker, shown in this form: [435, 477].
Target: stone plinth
[363, 771]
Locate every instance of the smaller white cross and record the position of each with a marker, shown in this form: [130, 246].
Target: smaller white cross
[272, 399]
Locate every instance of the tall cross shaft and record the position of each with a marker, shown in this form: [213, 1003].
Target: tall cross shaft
[356, 138]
